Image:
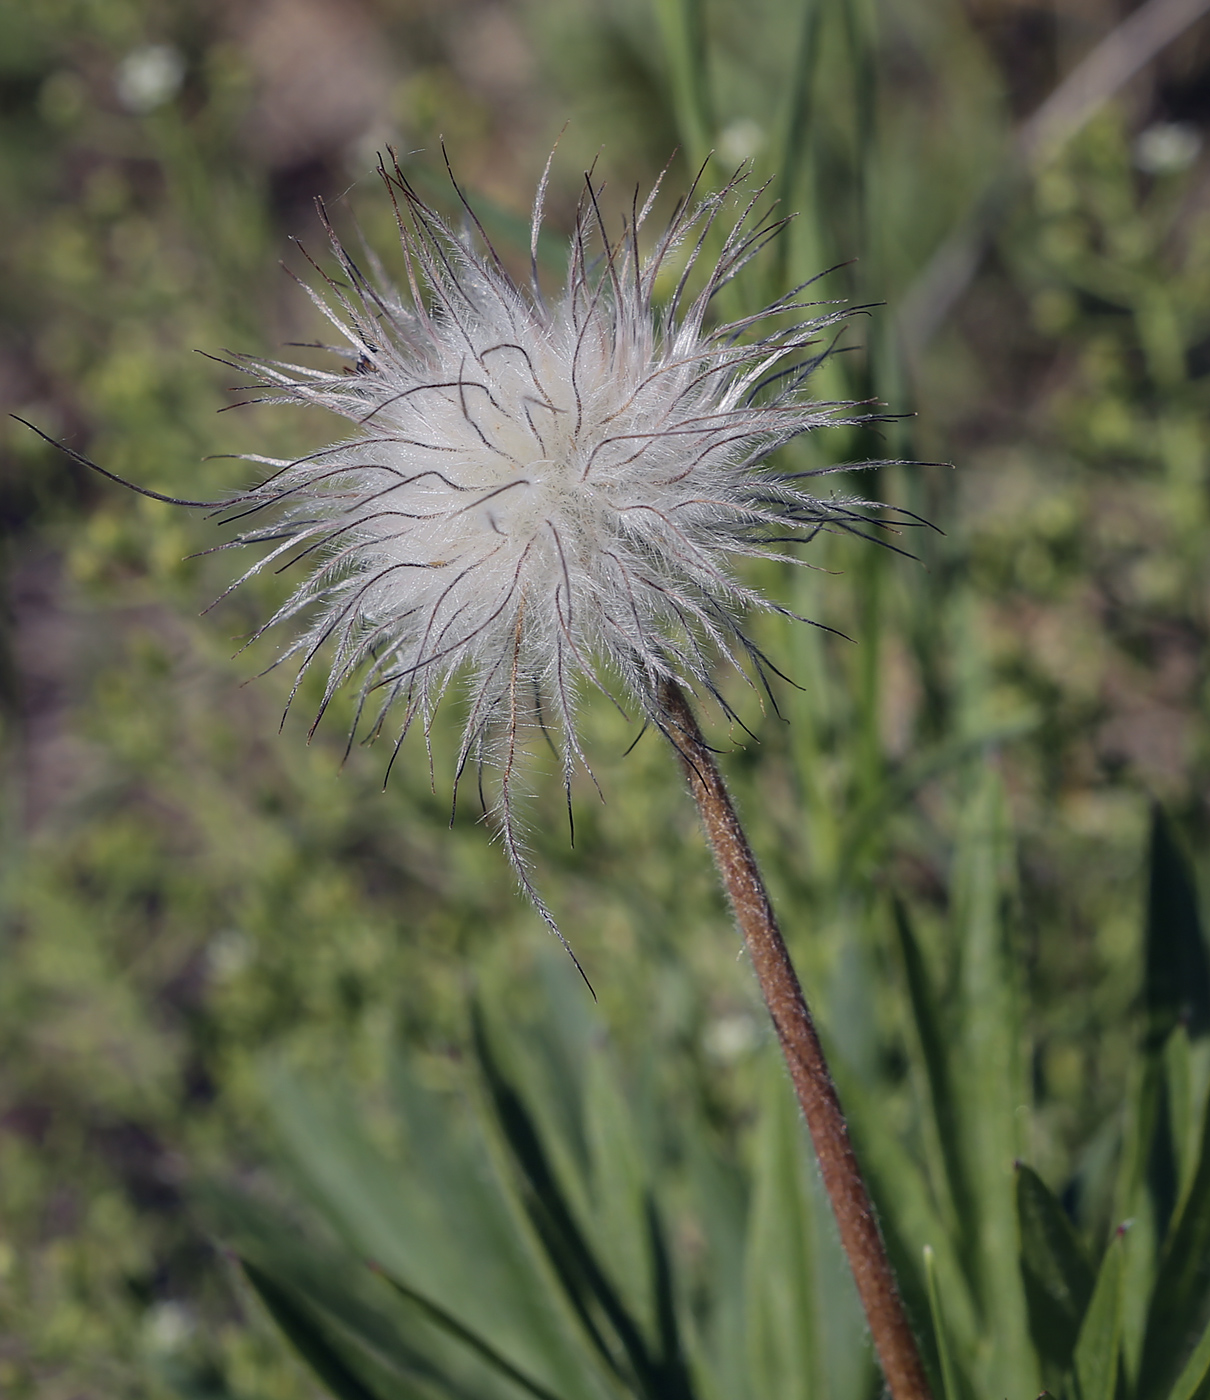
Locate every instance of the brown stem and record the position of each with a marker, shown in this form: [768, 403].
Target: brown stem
[859, 1233]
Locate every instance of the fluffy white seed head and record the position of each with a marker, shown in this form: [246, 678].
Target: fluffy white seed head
[535, 495]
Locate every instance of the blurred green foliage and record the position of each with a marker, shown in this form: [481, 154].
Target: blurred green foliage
[588, 1232]
[185, 891]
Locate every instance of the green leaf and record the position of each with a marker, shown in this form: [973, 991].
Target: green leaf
[1180, 1305]
[448, 1323]
[341, 1297]
[1100, 1340]
[1195, 1371]
[797, 151]
[719, 1199]
[934, 1045]
[440, 1221]
[784, 1349]
[910, 1223]
[1177, 978]
[682, 25]
[949, 1382]
[1134, 1200]
[1058, 1278]
[303, 1333]
[992, 1078]
[608, 1324]
[620, 1219]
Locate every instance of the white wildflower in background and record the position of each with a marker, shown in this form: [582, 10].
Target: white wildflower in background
[541, 493]
[149, 76]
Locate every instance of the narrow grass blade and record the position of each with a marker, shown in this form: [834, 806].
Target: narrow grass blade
[671, 1355]
[1192, 1378]
[307, 1339]
[610, 1327]
[461, 1333]
[1177, 983]
[783, 1326]
[719, 1200]
[439, 1220]
[682, 25]
[1180, 1305]
[1058, 1278]
[796, 154]
[337, 1295]
[910, 1223]
[949, 1381]
[992, 1076]
[1100, 1340]
[934, 1044]
[620, 1223]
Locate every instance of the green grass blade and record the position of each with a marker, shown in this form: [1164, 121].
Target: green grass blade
[797, 132]
[782, 1322]
[934, 1042]
[1177, 979]
[1193, 1376]
[1100, 1340]
[949, 1381]
[1177, 996]
[1183, 1122]
[682, 25]
[439, 1221]
[674, 1372]
[335, 1291]
[1058, 1278]
[992, 1077]
[1180, 1305]
[910, 1223]
[719, 1200]
[620, 1188]
[460, 1332]
[608, 1324]
[1133, 1200]
[307, 1338]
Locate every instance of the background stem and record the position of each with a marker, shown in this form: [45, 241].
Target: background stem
[859, 1233]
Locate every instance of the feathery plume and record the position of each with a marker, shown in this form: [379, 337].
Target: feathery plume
[542, 493]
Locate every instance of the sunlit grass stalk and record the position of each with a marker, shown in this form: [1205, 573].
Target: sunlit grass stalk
[780, 987]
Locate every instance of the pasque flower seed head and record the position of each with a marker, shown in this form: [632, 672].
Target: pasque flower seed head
[536, 493]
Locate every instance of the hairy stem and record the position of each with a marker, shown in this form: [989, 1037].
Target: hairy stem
[859, 1233]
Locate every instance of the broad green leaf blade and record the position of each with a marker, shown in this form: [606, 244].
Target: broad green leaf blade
[609, 1326]
[502, 1288]
[308, 1339]
[949, 1381]
[1193, 1377]
[439, 1222]
[484, 1349]
[1100, 1339]
[334, 1287]
[1058, 1278]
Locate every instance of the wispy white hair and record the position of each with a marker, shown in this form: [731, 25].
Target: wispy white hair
[540, 493]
